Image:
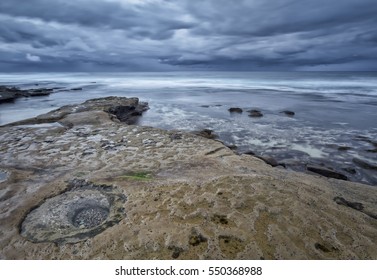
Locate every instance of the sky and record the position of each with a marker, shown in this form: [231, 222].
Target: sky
[187, 35]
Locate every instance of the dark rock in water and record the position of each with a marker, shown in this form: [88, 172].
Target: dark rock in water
[350, 170]
[235, 110]
[355, 205]
[232, 147]
[208, 106]
[125, 113]
[288, 113]
[206, 133]
[10, 89]
[7, 97]
[326, 172]
[269, 160]
[372, 150]
[255, 113]
[344, 148]
[9, 94]
[128, 113]
[40, 92]
[366, 139]
[364, 164]
[75, 89]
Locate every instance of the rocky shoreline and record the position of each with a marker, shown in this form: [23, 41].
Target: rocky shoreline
[325, 167]
[359, 167]
[83, 182]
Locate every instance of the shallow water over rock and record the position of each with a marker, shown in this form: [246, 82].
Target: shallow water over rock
[3, 176]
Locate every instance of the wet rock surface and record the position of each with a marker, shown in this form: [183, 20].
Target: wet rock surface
[101, 189]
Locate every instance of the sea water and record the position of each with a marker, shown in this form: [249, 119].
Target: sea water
[332, 109]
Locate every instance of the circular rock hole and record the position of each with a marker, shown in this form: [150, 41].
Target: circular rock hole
[81, 212]
[89, 217]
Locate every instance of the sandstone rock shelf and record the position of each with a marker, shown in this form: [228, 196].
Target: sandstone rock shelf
[185, 196]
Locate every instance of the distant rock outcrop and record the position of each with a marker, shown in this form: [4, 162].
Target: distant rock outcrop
[255, 113]
[235, 110]
[288, 113]
[9, 94]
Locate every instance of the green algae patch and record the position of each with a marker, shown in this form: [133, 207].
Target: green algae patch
[80, 174]
[139, 176]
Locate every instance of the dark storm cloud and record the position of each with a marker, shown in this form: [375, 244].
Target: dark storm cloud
[166, 35]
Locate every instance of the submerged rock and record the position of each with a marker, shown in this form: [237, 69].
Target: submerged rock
[350, 170]
[255, 113]
[326, 172]
[235, 110]
[344, 148]
[288, 113]
[364, 164]
[269, 160]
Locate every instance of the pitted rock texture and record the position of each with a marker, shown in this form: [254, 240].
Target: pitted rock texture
[188, 197]
[77, 214]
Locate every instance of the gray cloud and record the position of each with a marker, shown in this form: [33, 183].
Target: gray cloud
[80, 35]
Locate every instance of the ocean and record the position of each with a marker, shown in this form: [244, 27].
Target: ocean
[335, 120]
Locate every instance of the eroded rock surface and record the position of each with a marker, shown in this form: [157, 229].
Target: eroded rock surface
[187, 197]
[84, 210]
